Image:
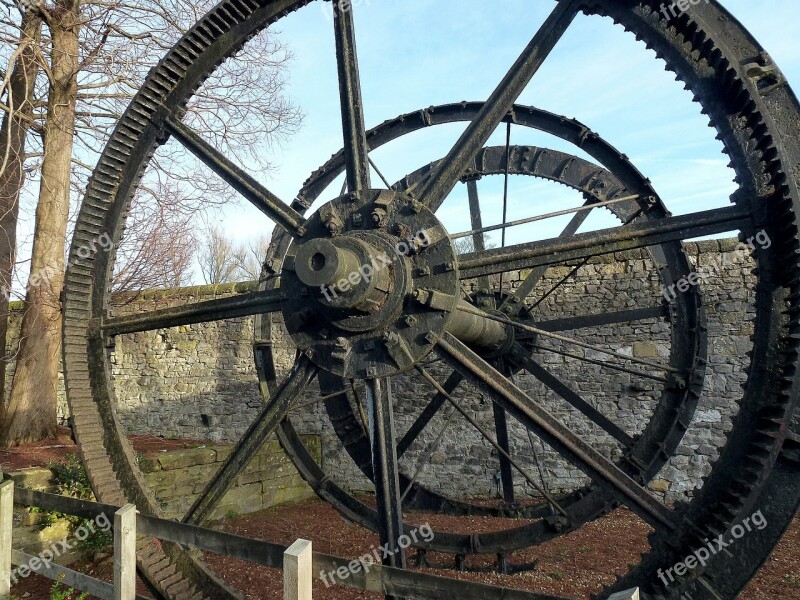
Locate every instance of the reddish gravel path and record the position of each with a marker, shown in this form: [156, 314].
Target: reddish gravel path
[575, 565]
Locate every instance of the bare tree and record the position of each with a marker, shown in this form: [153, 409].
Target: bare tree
[93, 56]
[217, 259]
[157, 249]
[18, 112]
[250, 258]
[465, 245]
[31, 412]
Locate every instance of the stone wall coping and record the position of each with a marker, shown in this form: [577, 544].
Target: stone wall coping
[692, 249]
[173, 460]
[164, 293]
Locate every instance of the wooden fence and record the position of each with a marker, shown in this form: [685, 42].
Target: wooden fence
[298, 562]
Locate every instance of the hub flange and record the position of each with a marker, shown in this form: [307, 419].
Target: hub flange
[370, 297]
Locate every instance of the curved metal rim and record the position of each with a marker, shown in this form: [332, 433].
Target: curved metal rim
[737, 110]
[653, 447]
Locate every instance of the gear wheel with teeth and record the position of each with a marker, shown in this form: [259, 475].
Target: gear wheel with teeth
[396, 322]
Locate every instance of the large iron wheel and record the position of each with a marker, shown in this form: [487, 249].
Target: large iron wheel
[648, 450]
[756, 115]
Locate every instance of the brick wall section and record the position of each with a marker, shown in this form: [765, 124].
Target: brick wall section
[199, 381]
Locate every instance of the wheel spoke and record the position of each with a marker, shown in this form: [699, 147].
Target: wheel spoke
[386, 475]
[516, 301]
[488, 438]
[476, 218]
[612, 318]
[468, 309]
[356, 151]
[257, 434]
[425, 458]
[603, 241]
[485, 296]
[247, 186]
[504, 457]
[552, 431]
[502, 100]
[504, 230]
[562, 389]
[427, 414]
[240, 305]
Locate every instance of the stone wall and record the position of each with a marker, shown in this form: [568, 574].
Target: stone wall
[199, 381]
[177, 478]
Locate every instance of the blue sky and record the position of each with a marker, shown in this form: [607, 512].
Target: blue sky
[417, 53]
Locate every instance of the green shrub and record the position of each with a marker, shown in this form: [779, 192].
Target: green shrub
[70, 479]
[59, 592]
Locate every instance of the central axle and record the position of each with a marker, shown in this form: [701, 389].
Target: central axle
[352, 274]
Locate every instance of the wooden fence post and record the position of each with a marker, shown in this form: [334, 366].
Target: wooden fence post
[629, 595]
[297, 571]
[6, 524]
[125, 553]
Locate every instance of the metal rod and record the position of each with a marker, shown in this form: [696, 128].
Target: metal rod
[425, 458]
[535, 276]
[386, 475]
[267, 202]
[542, 270]
[557, 434]
[601, 363]
[505, 194]
[427, 414]
[499, 104]
[356, 152]
[489, 439]
[563, 280]
[572, 397]
[464, 308]
[324, 398]
[378, 171]
[231, 307]
[603, 241]
[252, 441]
[559, 213]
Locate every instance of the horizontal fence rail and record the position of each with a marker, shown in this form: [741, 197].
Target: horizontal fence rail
[381, 579]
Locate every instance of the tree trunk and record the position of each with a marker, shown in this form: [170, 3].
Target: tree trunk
[31, 414]
[13, 134]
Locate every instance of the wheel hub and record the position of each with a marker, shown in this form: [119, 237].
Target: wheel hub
[373, 288]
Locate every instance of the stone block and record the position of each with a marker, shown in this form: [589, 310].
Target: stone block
[37, 478]
[290, 494]
[659, 485]
[645, 350]
[149, 465]
[187, 458]
[242, 500]
[223, 452]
